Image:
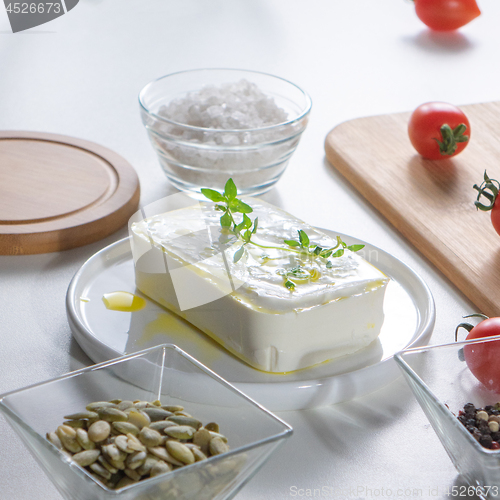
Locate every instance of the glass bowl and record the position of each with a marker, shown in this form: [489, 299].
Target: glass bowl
[166, 373]
[194, 156]
[443, 384]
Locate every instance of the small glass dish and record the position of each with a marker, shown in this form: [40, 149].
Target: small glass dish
[195, 157]
[442, 384]
[166, 373]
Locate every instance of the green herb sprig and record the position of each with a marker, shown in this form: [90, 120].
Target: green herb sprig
[228, 203]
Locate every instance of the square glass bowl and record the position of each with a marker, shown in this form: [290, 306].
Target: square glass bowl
[442, 383]
[194, 156]
[166, 373]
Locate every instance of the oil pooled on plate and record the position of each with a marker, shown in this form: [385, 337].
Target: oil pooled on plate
[123, 301]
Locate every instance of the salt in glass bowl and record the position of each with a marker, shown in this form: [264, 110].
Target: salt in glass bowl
[166, 373]
[195, 157]
[442, 384]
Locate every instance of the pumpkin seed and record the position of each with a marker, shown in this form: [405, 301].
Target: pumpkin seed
[180, 432]
[83, 439]
[86, 457]
[201, 438]
[217, 446]
[67, 436]
[162, 425]
[76, 424]
[150, 437]
[135, 460]
[82, 415]
[163, 454]
[139, 419]
[180, 452]
[212, 426]
[100, 470]
[133, 474]
[100, 404]
[124, 481]
[107, 465]
[160, 467]
[182, 420]
[121, 442]
[54, 439]
[112, 415]
[146, 467]
[99, 431]
[155, 414]
[133, 444]
[173, 408]
[126, 428]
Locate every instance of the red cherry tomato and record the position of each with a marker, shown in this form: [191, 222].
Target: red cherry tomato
[438, 130]
[490, 190]
[446, 15]
[483, 359]
[495, 215]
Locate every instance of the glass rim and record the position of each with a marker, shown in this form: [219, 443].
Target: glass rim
[301, 116]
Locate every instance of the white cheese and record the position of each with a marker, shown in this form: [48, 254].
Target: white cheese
[185, 262]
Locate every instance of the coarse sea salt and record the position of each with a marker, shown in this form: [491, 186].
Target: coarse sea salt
[232, 106]
[234, 129]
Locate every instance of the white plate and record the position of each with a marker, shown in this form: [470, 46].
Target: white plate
[104, 334]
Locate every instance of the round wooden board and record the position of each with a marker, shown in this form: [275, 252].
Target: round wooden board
[59, 192]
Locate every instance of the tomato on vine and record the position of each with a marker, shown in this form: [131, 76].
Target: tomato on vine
[446, 15]
[438, 130]
[489, 189]
[483, 358]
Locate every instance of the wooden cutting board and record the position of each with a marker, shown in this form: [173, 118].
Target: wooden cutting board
[430, 202]
[59, 192]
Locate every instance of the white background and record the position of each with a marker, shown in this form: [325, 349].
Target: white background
[80, 75]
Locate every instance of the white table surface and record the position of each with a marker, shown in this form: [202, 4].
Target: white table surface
[80, 75]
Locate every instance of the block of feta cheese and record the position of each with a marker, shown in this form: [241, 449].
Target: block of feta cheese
[185, 261]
